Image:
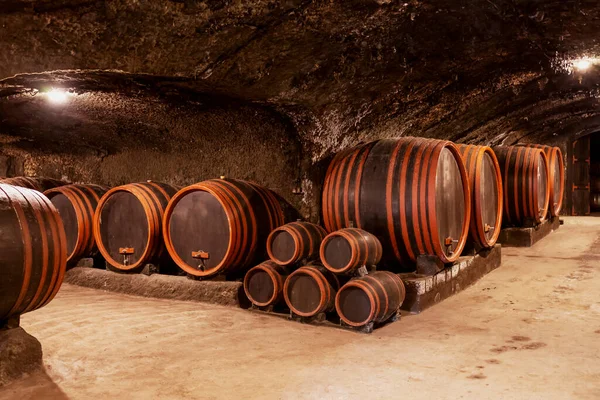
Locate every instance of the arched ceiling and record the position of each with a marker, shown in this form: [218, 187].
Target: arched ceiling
[336, 72]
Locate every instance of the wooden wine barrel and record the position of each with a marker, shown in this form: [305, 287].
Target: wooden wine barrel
[412, 193]
[372, 298]
[525, 184]
[310, 290]
[33, 251]
[295, 241]
[128, 224]
[348, 249]
[263, 284]
[556, 177]
[220, 226]
[76, 205]
[485, 178]
[595, 202]
[39, 184]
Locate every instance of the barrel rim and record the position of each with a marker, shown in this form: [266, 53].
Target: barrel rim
[544, 216]
[129, 188]
[318, 278]
[357, 283]
[292, 232]
[339, 233]
[500, 202]
[555, 210]
[276, 289]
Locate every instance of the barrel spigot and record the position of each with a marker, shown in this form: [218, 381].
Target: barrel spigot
[126, 252]
[202, 256]
[449, 242]
[487, 228]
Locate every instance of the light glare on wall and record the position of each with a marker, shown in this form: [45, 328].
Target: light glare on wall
[57, 96]
[582, 64]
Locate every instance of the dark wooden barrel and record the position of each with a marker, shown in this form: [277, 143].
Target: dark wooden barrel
[525, 184]
[310, 290]
[412, 193]
[346, 250]
[39, 184]
[372, 298]
[295, 241]
[485, 178]
[220, 226]
[76, 205]
[128, 224]
[33, 252]
[263, 284]
[556, 177]
[595, 202]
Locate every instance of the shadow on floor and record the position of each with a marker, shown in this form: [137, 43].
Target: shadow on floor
[35, 386]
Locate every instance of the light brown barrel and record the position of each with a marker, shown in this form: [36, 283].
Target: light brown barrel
[525, 184]
[310, 290]
[128, 224]
[76, 205]
[372, 298]
[485, 178]
[263, 284]
[33, 251]
[556, 177]
[39, 184]
[346, 250]
[220, 226]
[295, 241]
[412, 193]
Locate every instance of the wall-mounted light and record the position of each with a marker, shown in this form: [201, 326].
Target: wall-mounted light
[582, 64]
[57, 96]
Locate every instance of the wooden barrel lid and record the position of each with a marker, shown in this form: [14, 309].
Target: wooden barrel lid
[124, 224]
[489, 197]
[69, 218]
[557, 180]
[542, 184]
[338, 252]
[356, 304]
[198, 222]
[304, 293]
[283, 246]
[260, 286]
[449, 200]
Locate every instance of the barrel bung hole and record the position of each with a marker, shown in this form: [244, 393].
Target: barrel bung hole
[260, 286]
[354, 304]
[304, 293]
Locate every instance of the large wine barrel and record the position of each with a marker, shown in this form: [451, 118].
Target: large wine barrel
[128, 224]
[295, 241]
[348, 249]
[556, 177]
[33, 251]
[39, 184]
[263, 284]
[525, 184]
[412, 193]
[485, 178]
[310, 290]
[372, 298]
[220, 226]
[595, 202]
[76, 205]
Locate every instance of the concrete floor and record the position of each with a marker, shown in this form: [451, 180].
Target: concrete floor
[529, 330]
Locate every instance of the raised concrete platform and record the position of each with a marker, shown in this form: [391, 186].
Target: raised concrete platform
[527, 237]
[20, 353]
[160, 286]
[424, 291]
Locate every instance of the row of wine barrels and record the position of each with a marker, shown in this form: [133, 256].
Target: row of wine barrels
[372, 298]
[525, 183]
[220, 226]
[76, 205]
[33, 251]
[346, 250]
[595, 202]
[128, 224]
[556, 177]
[39, 184]
[295, 241]
[263, 284]
[412, 193]
[486, 194]
[310, 290]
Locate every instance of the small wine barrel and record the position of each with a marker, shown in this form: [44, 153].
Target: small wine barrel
[76, 205]
[310, 290]
[220, 226]
[372, 298]
[595, 202]
[263, 284]
[485, 177]
[33, 253]
[127, 224]
[295, 241]
[39, 184]
[556, 177]
[348, 249]
[525, 184]
[412, 193]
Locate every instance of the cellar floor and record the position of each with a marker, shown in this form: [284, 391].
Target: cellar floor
[528, 330]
